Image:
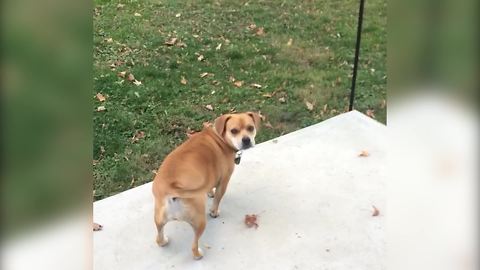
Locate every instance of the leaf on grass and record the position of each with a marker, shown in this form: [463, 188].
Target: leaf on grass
[282, 100]
[252, 26]
[371, 113]
[136, 14]
[181, 44]
[130, 77]
[109, 40]
[137, 83]
[309, 105]
[100, 97]
[209, 107]
[183, 81]
[325, 108]
[219, 46]
[171, 42]
[274, 141]
[384, 104]
[256, 85]
[364, 153]
[251, 221]
[204, 74]
[238, 83]
[119, 6]
[178, 15]
[137, 136]
[260, 31]
[375, 212]
[201, 57]
[101, 108]
[290, 42]
[122, 74]
[268, 125]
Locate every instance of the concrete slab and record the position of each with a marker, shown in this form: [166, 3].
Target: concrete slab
[312, 192]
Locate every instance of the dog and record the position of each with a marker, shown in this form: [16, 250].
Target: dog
[200, 166]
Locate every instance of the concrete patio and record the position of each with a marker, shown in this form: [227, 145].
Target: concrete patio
[311, 190]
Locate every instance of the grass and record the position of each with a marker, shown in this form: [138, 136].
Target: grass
[304, 54]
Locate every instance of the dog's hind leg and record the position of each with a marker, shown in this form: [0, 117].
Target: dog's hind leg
[198, 223]
[160, 221]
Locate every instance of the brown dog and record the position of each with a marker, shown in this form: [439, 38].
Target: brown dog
[203, 164]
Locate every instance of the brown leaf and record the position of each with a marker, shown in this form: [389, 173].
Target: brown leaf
[252, 26]
[238, 83]
[364, 153]
[260, 31]
[282, 100]
[209, 107]
[137, 136]
[183, 81]
[251, 221]
[97, 227]
[370, 113]
[325, 108]
[109, 40]
[122, 74]
[256, 85]
[290, 42]
[376, 212]
[201, 57]
[178, 15]
[268, 125]
[130, 77]
[204, 74]
[309, 105]
[101, 108]
[171, 41]
[100, 97]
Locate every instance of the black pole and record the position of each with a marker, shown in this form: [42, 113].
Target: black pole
[357, 52]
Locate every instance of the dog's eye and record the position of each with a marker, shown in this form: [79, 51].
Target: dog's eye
[250, 128]
[234, 131]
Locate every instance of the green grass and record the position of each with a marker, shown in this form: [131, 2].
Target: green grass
[315, 67]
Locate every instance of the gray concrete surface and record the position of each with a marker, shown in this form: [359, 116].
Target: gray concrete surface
[313, 194]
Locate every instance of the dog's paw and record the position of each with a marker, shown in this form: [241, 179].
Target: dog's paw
[162, 242]
[198, 255]
[214, 214]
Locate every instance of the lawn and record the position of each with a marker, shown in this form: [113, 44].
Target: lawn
[162, 68]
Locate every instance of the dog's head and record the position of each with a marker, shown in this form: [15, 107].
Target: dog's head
[239, 129]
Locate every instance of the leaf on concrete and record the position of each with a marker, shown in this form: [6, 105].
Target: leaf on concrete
[364, 153]
[375, 212]
[371, 113]
[251, 221]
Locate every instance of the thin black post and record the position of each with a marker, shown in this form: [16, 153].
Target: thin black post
[357, 52]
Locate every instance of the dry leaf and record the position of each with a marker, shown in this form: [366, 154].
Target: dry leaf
[364, 153]
[109, 40]
[219, 46]
[370, 113]
[137, 136]
[268, 125]
[309, 105]
[238, 83]
[290, 42]
[384, 104]
[256, 85]
[209, 107]
[171, 41]
[183, 81]
[267, 95]
[204, 74]
[97, 227]
[122, 74]
[376, 212]
[181, 44]
[136, 14]
[201, 57]
[120, 5]
[274, 141]
[282, 100]
[100, 97]
[325, 108]
[101, 108]
[137, 83]
[231, 79]
[252, 26]
[260, 31]
[178, 15]
[130, 77]
[251, 221]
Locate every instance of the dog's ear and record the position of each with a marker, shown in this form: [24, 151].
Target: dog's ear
[256, 119]
[220, 123]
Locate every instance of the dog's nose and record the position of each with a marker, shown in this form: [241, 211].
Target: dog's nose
[246, 141]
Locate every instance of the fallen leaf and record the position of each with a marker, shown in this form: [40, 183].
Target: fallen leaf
[109, 40]
[371, 113]
[282, 100]
[238, 83]
[207, 246]
[376, 212]
[101, 108]
[122, 74]
[309, 105]
[219, 46]
[171, 42]
[251, 221]
[267, 95]
[137, 83]
[183, 81]
[384, 104]
[364, 153]
[130, 77]
[215, 82]
[137, 136]
[136, 14]
[97, 227]
[178, 15]
[209, 107]
[181, 44]
[100, 97]
[201, 57]
[325, 108]
[231, 79]
[256, 85]
[260, 31]
[252, 26]
[274, 141]
[290, 42]
[204, 74]
[120, 5]
[268, 125]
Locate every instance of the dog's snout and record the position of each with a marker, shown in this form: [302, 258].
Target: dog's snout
[246, 140]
